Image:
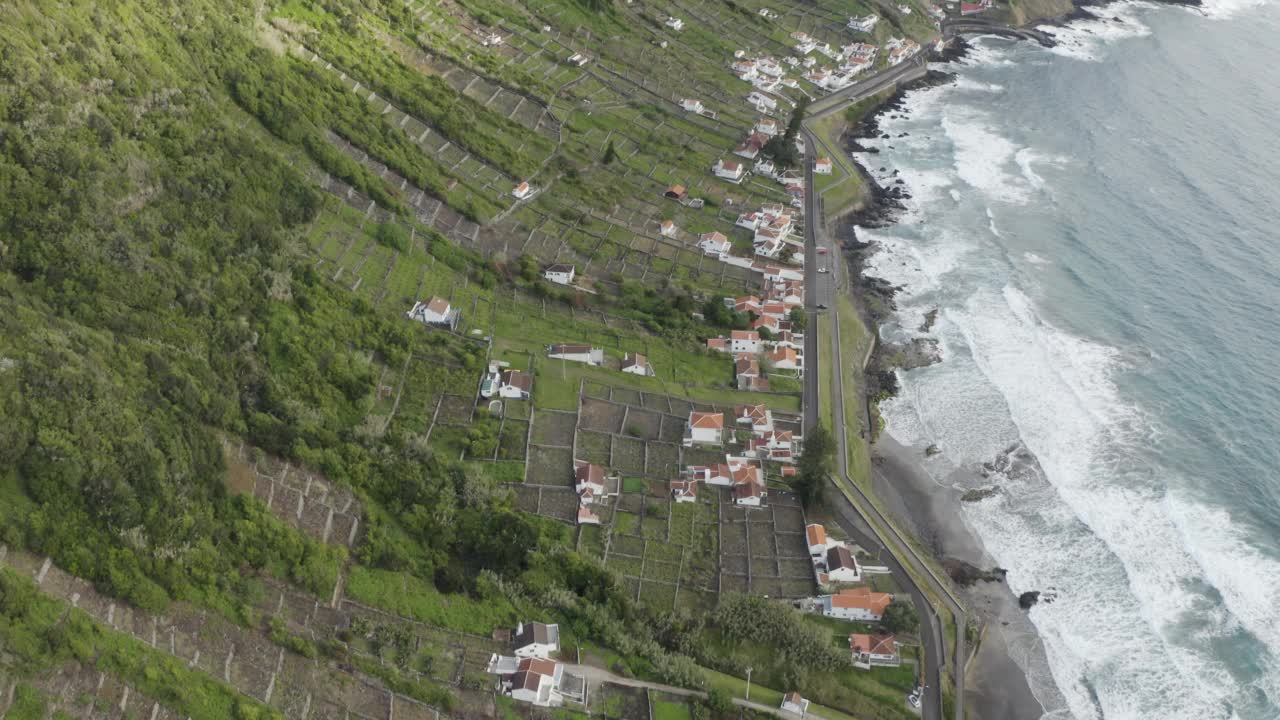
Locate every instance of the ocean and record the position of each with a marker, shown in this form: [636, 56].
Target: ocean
[1097, 224]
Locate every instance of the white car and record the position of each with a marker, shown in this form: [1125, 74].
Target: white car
[822, 269]
[914, 700]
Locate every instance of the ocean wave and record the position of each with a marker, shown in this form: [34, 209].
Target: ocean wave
[981, 156]
[1085, 39]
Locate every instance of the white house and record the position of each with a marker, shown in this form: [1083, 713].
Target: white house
[793, 703]
[560, 273]
[860, 603]
[704, 428]
[869, 650]
[636, 364]
[692, 105]
[817, 537]
[785, 358]
[684, 491]
[822, 166]
[524, 191]
[515, 385]
[435, 311]
[744, 341]
[766, 168]
[667, 228]
[730, 170]
[714, 244]
[492, 40]
[674, 23]
[759, 417]
[718, 474]
[588, 477]
[841, 565]
[536, 640]
[749, 494]
[863, 24]
[763, 101]
[904, 9]
[536, 681]
[576, 353]
[578, 59]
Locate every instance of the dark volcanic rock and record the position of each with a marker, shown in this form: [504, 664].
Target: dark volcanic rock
[930, 318]
[1028, 598]
[979, 494]
[965, 574]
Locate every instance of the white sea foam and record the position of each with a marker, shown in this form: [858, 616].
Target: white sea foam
[1035, 259]
[1224, 9]
[1086, 39]
[965, 82]
[981, 156]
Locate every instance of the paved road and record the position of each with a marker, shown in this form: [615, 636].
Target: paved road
[822, 289]
[982, 26]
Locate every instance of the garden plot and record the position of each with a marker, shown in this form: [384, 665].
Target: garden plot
[594, 447]
[627, 455]
[550, 466]
[554, 428]
[600, 416]
[641, 424]
[662, 460]
[455, 410]
[78, 690]
[512, 440]
[301, 498]
[219, 648]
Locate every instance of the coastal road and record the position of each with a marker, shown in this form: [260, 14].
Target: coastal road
[822, 289]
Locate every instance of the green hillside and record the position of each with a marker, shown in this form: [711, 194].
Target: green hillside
[213, 219]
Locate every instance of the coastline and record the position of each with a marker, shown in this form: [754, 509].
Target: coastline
[997, 685]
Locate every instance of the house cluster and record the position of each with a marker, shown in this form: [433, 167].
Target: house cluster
[771, 227]
[504, 382]
[742, 473]
[589, 484]
[766, 441]
[632, 363]
[530, 675]
[833, 562]
[435, 311]
[767, 74]
[901, 49]
[972, 8]
[847, 63]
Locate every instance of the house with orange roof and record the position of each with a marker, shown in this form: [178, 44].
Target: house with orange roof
[435, 311]
[759, 417]
[667, 228]
[749, 494]
[636, 364]
[718, 474]
[817, 537]
[784, 358]
[524, 191]
[874, 650]
[822, 166]
[684, 491]
[744, 341]
[860, 603]
[793, 703]
[704, 428]
[718, 344]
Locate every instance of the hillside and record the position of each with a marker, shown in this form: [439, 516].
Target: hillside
[222, 429]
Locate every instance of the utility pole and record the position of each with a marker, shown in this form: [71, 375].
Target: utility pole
[748, 683]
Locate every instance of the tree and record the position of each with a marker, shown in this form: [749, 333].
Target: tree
[814, 466]
[719, 701]
[609, 154]
[900, 617]
[798, 319]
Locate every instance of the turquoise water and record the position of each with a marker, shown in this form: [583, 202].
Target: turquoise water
[1098, 226]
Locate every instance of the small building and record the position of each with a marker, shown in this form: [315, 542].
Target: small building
[586, 516]
[536, 640]
[730, 170]
[684, 491]
[841, 565]
[759, 417]
[578, 59]
[588, 477]
[560, 273]
[524, 191]
[718, 344]
[692, 105]
[636, 364]
[667, 228]
[536, 681]
[763, 101]
[744, 341]
[749, 494]
[864, 24]
[874, 650]
[793, 703]
[817, 537]
[515, 385]
[860, 603]
[718, 474]
[785, 358]
[675, 192]
[704, 428]
[492, 40]
[822, 166]
[576, 353]
[435, 311]
[714, 244]
[674, 23]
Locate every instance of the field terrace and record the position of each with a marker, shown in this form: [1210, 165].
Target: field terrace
[554, 129]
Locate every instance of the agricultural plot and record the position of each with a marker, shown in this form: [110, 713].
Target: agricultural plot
[763, 550]
[303, 499]
[244, 658]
